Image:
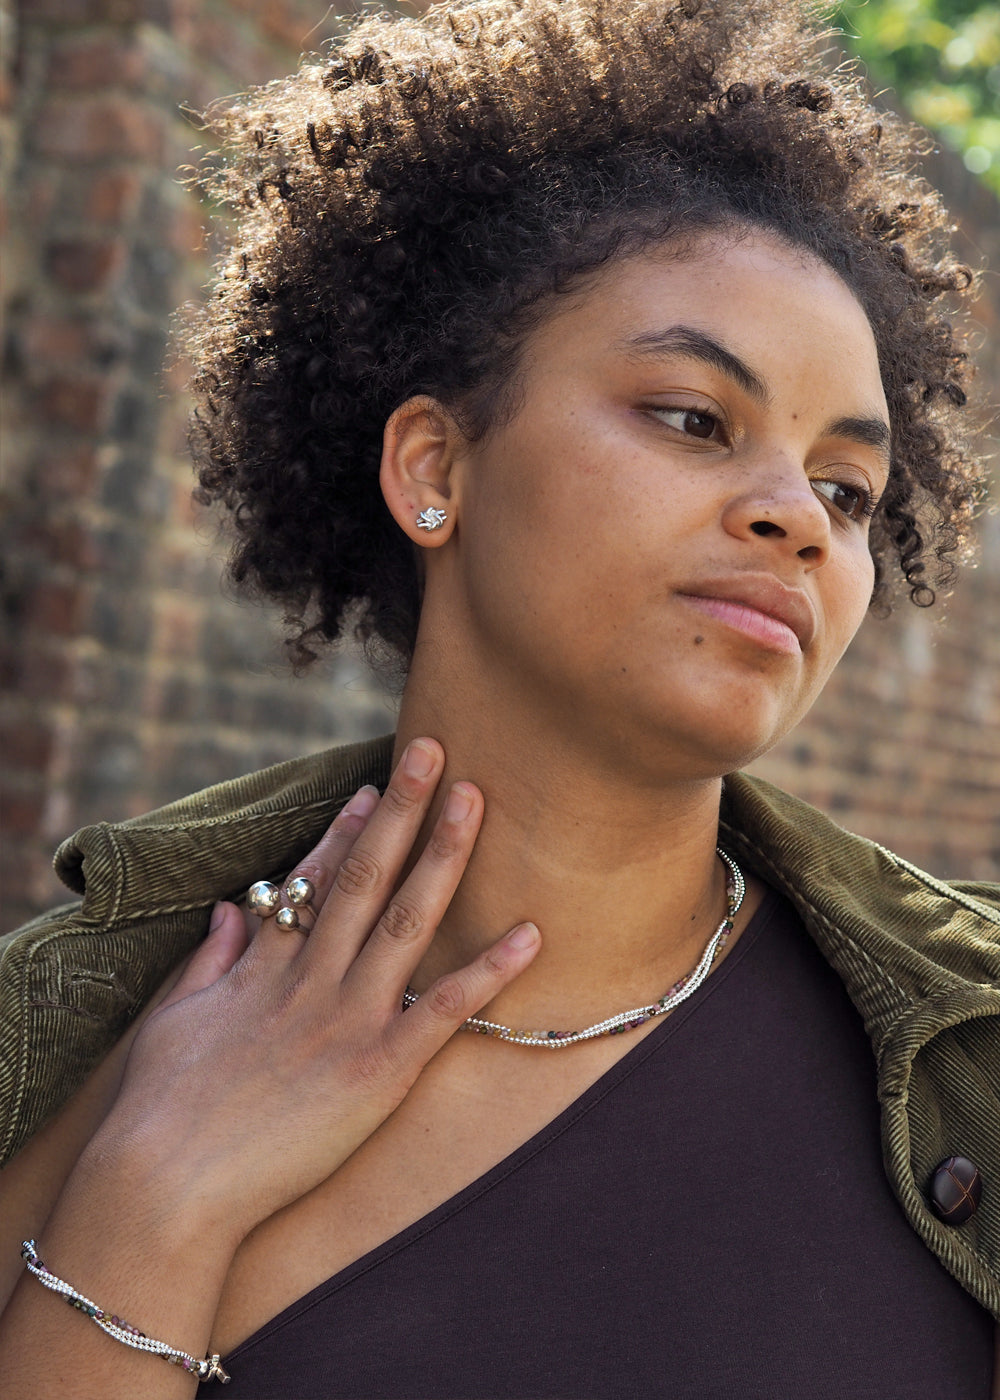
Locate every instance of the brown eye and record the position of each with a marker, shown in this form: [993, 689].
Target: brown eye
[701, 425]
[690, 421]
[852, 501]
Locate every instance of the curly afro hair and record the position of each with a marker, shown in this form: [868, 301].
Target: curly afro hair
[407, 205]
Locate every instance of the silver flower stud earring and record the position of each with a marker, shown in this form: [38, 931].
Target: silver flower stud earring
[431, 519]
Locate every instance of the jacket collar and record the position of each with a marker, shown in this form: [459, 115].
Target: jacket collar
[904, 942]
[899, 938]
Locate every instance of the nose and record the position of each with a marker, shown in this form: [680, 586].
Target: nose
[780, 506]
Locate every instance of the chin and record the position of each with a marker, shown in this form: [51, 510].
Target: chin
[668, 752]
[718, 739]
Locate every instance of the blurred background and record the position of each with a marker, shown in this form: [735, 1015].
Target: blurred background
[129, 675]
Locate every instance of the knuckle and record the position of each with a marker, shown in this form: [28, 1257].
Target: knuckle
[290, 995]
[402, 922]
[399, 802]
[495, 962]
[442, 846]
[310, 870]
[370, 1064]
[447, 999]
[358, 875]
[381, 1076]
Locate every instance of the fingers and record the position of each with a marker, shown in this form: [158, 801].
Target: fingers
[319, 868]
[321, 865]
[365, 878]
[212, 959]
[408, 922]
[368, 935]
[414, 1037]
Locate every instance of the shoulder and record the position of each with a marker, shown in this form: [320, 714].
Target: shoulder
[72, 980]
[852, 892]
[920, 959]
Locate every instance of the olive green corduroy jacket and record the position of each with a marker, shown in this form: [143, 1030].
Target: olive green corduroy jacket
[919, 957]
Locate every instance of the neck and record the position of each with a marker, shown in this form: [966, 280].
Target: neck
[619, 874]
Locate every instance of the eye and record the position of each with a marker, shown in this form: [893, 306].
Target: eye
[856, 502]
[692, 422]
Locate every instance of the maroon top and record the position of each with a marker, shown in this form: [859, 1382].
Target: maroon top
[709, 1220]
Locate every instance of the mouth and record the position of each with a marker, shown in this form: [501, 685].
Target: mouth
[777, 618]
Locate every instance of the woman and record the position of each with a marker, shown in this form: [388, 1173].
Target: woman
[593, 358]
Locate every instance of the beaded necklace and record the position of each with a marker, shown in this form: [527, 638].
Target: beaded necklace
[626, 1020]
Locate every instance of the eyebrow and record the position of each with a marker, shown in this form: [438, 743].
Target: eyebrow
[870, 431]
[696, 345]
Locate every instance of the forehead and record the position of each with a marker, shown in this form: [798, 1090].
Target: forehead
[778, 308]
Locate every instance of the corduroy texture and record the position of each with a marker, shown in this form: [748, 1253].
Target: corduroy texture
[920, 959]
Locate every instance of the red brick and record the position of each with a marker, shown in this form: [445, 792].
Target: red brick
[113, 197]
[69, 543]
[48, 339]
[92, 11]
[62, 11]
[57, 608]
[81, 403]
[299, 26]
[67, 472]
[21, 812]
[26, 744]
[43, 674]
[233, 48]
[185, 232]
[86, 266]
[81, 62]
[177, 627]
[40, 198]
[96, 130]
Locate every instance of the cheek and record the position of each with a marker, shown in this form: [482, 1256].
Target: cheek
[540, 500]
[848, 596]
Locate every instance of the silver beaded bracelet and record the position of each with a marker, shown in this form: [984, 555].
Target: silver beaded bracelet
[208, 1370]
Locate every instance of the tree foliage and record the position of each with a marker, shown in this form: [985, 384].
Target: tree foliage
[942, 59]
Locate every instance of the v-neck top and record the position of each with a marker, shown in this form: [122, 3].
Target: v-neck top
[709, 1219]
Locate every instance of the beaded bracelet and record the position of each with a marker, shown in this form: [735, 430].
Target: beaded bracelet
[208, 1370]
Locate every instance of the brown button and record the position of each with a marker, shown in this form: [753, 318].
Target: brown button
[956, 1190]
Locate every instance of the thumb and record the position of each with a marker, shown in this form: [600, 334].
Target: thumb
[225, 945]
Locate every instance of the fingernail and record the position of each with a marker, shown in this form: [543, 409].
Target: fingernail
[459, 804]
[523, 937]
[218, 914]
[419, 760]
[363, 803]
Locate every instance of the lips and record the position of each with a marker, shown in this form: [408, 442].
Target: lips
[739, 597]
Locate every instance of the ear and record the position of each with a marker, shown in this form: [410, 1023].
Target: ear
[419, 483]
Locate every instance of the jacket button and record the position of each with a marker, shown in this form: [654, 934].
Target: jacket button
[956, 1190]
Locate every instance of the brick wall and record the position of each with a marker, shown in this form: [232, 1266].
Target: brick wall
[128, 676]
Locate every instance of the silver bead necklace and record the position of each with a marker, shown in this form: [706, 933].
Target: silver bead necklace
[626, 1020]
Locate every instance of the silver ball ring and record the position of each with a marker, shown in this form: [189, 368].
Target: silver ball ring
[300, 893]
[263, 898]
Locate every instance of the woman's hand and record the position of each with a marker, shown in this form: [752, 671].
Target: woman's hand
[272, 1060]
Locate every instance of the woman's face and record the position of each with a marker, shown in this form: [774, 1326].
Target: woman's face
[666, 549]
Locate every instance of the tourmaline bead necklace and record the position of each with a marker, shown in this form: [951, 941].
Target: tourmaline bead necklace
[639, 1015]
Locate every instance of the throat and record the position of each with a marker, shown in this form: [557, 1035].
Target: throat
[617, 868]
[633, 1017]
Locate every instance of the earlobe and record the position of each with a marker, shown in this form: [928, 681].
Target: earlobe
[416, 475]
